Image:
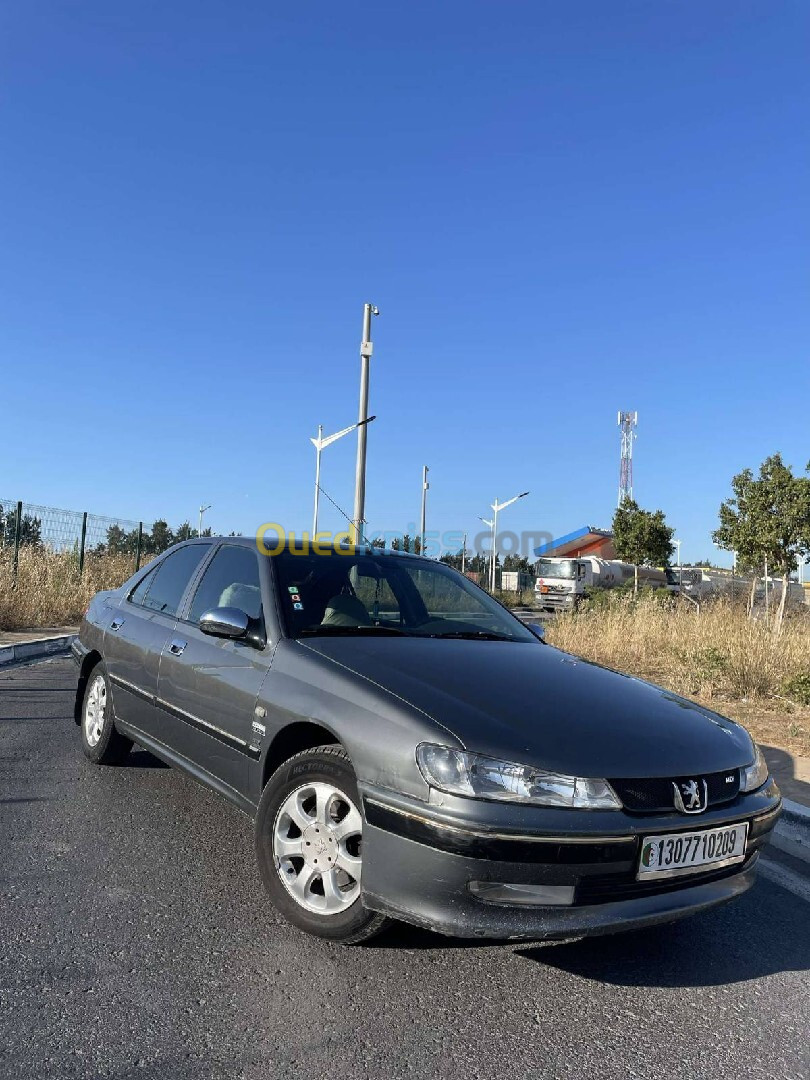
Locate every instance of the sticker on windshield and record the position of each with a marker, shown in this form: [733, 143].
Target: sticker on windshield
[298, 607]
[292, 588]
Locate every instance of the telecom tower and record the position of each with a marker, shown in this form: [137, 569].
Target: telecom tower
[627, 423]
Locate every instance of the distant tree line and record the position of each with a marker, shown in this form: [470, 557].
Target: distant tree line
[153, 542]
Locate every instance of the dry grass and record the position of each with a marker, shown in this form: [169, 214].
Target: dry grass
[719, 657]
[48, 590]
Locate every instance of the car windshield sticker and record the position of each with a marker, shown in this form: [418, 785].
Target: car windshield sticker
[298, 607]
[292, 588]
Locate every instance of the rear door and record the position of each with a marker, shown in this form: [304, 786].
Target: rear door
[208, 686]
[138, 631]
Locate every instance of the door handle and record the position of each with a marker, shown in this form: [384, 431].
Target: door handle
[176, 646]
[116, 624]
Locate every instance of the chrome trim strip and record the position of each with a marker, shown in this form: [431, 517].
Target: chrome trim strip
[595, 839]
[116, 680]
[181, 714]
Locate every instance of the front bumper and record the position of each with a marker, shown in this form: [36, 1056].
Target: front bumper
[418, 863]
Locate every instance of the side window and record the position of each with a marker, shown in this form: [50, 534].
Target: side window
[138, 594]
[231, 580]
[171, 579]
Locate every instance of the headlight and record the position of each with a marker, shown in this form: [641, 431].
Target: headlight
[460, 773]
[755, 775]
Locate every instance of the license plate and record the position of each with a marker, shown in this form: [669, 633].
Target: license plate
[673, 854]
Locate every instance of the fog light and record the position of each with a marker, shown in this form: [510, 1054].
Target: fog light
[496, 892]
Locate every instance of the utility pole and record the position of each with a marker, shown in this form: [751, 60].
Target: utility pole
[366, 349]
[425, 486]
[464, 554]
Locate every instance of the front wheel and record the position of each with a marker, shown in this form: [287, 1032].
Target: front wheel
[309, 836]
[100, 740]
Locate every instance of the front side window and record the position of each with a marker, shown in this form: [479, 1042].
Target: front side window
[383, 593]
[231, 580]
[171, 579]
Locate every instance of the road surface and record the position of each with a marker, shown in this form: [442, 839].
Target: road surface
[135, 941]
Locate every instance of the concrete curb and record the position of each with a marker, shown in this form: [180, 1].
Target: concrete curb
[792, 832]
[26, 651]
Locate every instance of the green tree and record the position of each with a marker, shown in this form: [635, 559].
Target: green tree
[642, 537]
[767, 523]
[161, 537]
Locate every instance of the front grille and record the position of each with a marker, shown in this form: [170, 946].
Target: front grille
[644, 796]
[610, 888]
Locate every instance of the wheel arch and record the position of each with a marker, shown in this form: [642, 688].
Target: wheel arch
[88, 663]
[291, 740]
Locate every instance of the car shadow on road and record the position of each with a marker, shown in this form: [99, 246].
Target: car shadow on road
[141, 759]
[785, 770]
[744, 941]
[760, 934]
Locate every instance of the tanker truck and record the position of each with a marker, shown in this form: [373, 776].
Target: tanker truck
[561, 583]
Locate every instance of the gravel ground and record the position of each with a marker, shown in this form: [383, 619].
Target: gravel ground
[135, 941]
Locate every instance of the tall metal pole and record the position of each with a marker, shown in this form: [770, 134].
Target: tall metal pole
[425, 486]
[317, 480]
[494, 534]
[366, 349]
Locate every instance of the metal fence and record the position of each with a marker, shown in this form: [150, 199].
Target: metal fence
[48, 528]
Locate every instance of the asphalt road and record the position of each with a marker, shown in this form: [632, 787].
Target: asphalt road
[135, 941]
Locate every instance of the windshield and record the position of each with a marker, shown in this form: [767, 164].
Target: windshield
[379, 594]
[557, 568]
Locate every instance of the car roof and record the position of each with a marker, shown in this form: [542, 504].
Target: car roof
[250, 541]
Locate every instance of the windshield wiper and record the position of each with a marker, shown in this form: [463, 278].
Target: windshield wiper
[474, 635]
[352, 631]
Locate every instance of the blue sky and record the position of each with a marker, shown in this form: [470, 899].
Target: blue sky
[561, 210]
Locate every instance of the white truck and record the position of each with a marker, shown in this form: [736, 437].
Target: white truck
[561, 583]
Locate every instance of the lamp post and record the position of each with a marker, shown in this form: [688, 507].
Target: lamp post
[425, 486]
[366, 349]
[320, 444]
[202, 511]
[496, 506]
[680, 567]
[491, 525]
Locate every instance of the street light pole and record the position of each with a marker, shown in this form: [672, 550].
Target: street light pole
[491, 525]
[366, 349]
[320, 444]
[202, 511]
[680, 567]
[425, 486]
[496, 506]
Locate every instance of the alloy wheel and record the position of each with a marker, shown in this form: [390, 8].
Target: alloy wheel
[317, 838]
[95, 710]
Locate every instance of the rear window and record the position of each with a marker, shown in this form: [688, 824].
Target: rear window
[171, 579]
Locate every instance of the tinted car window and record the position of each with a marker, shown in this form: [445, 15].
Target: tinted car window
[171, 579]
[232, 580]
[142, 588]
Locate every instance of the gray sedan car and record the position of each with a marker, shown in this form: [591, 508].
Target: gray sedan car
[408, 749]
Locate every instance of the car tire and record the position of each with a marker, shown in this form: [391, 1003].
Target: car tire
[101, 742]
[308, 845]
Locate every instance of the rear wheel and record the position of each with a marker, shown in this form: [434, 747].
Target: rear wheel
[101, 742]
[309, 837]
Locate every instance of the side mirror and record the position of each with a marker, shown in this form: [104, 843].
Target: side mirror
[537, 629]
[227, 622]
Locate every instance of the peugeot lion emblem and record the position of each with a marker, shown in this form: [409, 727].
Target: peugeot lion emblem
[690, 796]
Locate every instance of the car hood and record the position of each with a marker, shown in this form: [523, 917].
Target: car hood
[535, 704]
